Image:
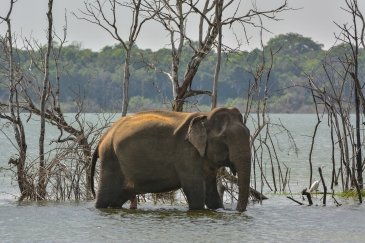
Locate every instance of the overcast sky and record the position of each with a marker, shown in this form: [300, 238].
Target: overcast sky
[314, 18]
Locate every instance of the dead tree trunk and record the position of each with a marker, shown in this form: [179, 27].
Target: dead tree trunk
[354, 38]
[14, 112]
[324, 186]
[126, 76]
[218, 12]
[42, 180]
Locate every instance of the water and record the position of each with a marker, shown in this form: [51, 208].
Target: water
[275, 220]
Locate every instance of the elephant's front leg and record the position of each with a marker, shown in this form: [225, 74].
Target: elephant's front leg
[194, 189]
[212, 198]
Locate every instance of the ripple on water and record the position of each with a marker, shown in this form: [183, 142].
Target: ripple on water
[278, 219]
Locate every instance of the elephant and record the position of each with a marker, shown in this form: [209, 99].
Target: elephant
[160, 151]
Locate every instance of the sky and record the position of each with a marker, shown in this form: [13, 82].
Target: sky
[311, 18]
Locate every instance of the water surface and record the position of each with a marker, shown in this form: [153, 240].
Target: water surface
[275, 220]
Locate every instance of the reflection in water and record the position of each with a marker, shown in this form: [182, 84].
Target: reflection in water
[277, 219]
[175, 224]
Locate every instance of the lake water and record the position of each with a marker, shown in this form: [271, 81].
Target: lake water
[275, 220]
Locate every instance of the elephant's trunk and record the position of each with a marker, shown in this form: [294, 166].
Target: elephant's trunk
[240, 156]
[244, 183]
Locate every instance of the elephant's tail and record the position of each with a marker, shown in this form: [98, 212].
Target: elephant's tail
[92, 172]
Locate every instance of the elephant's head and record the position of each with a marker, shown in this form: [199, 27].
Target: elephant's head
[222, 138]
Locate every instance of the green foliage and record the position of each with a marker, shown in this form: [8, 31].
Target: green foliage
[237, 102]
[293, 44]
[97, 76]
[139, 103]
[350, 194]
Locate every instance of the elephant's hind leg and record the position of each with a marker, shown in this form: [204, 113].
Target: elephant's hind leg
[110, 193]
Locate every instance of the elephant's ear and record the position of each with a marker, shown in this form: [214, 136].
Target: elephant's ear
[197, 134]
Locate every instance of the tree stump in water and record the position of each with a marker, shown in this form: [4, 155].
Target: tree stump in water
[309, 197]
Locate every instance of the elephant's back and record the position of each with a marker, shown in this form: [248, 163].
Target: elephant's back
[152, 119]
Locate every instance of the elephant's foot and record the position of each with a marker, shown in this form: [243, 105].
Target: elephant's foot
[214, 204]
[110, 199]
[101, 205]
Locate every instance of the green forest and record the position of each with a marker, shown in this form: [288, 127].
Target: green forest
[96, 77]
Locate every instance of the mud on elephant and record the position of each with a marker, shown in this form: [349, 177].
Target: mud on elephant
[160, 151]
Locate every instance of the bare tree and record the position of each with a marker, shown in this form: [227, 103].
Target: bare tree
[338, 91]
[336, 96]
[175, 18]
[218, 12]
[60, 171]
[12, 109]
[105, 15]
[354, 36]
[41, 191]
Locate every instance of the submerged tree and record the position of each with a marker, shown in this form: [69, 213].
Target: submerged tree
[11, 111]
[341, 94]
[354, 37]
[60, 171]
[41, 188]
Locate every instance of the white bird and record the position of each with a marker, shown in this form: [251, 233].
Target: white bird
[314, 186]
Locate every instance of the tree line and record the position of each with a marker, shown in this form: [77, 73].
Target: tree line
[96, 76]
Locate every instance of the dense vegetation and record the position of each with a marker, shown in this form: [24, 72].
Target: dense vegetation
[96, 76]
